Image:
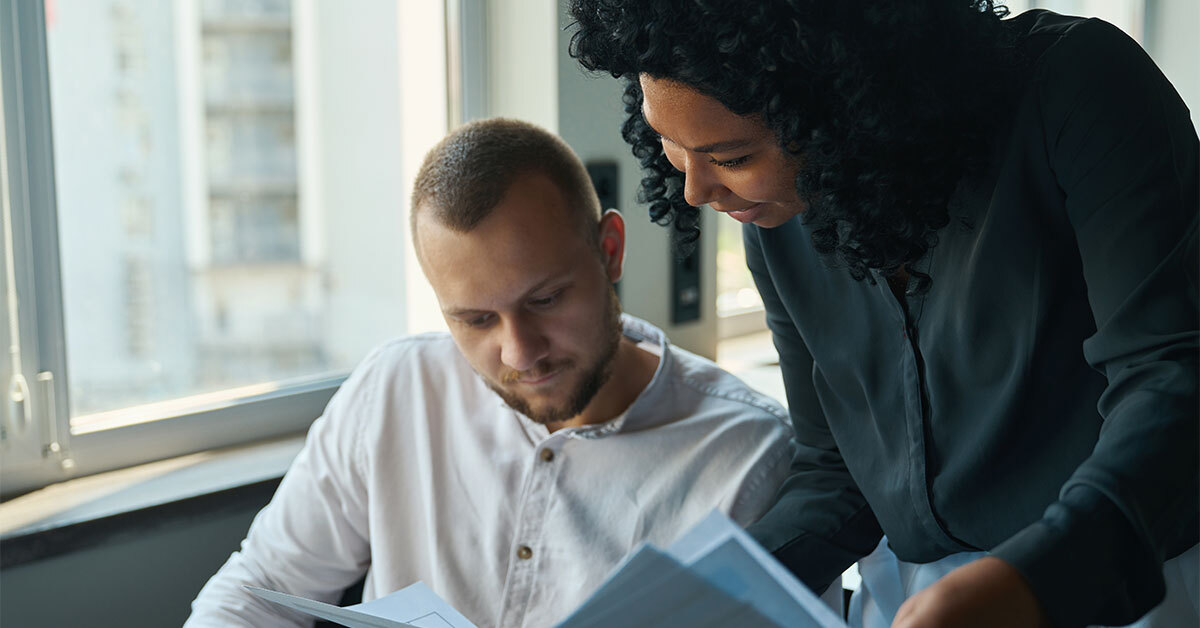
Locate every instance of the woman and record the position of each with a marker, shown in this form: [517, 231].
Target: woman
[976, 240]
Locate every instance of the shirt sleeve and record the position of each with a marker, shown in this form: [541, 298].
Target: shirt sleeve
[1124, 153]
[768, 467]
[820, 523]
[311, 540]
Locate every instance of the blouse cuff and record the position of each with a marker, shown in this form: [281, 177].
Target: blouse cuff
[1085, 563]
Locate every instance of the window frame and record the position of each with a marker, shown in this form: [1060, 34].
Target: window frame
[27, 459]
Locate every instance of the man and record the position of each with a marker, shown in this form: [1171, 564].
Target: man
[513, 462]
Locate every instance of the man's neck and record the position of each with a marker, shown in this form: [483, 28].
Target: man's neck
[632, 369]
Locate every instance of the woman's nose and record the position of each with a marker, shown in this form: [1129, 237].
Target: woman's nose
[700, 183]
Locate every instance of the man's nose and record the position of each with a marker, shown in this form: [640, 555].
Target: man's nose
[523, 345]
[700, 183]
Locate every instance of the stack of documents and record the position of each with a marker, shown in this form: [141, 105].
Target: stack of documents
[715, 575]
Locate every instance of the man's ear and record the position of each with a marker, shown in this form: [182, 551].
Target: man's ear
[612, 243]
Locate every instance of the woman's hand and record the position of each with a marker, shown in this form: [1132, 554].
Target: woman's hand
[985, 593]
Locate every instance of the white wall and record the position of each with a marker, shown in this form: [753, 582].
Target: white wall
[356, 156]
[522, 60]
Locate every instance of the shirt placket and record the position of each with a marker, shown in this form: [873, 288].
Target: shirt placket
[915, 421]
[527, 547]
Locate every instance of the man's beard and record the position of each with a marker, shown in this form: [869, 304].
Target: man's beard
[593, 379]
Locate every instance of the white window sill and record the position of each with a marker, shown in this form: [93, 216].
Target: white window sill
[144, 487]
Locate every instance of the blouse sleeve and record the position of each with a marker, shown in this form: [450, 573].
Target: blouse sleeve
[820, 523]
[1124, 152]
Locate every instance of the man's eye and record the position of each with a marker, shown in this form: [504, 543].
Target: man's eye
[730, 163]
[545, 301]
[479, 321]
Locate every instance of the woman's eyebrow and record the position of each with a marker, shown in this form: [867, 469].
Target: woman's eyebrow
[722, 146]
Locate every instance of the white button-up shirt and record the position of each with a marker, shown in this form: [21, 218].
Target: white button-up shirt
[418, 471]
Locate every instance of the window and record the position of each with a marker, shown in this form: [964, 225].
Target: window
[739, 308]
[205, 217]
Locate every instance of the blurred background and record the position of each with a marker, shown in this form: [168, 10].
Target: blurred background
[205, 228]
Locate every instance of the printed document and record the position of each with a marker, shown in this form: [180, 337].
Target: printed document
[715, 575]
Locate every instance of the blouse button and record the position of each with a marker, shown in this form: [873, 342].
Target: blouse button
[524, 552]
[547, 454]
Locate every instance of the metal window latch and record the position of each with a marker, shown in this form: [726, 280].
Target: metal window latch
[19, 413]
[53, 444]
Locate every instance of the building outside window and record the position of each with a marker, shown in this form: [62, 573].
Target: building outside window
[229, 182]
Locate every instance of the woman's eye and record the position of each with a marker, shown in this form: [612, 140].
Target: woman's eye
[730, 163]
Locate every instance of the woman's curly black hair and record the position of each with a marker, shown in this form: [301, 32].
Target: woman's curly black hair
[884, 104]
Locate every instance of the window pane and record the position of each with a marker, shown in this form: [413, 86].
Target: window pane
[231, 194]
[735, 287]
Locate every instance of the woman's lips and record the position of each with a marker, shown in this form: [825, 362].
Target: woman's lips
[748, 214]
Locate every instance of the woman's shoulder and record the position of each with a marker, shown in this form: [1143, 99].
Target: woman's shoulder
[1038, 31]
[1075, 50]
[1085, 70]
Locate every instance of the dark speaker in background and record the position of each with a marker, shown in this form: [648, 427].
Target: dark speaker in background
[685, 283]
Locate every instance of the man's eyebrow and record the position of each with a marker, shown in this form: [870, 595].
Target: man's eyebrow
[469, 312]
[460, 313]
[723, 146]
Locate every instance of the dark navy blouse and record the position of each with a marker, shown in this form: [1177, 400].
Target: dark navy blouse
[1040, 400]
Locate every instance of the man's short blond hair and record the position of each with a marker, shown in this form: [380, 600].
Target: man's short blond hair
[467, 174]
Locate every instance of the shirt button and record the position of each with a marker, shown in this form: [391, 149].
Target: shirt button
[547, 454]
[524, 552]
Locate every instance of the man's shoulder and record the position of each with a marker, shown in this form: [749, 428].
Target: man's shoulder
[421, 371]
[425, 350]
[717, 387]
[699, 379]
[414, 361]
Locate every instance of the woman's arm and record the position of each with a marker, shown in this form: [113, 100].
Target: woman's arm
[1125, 155]
[820, 523]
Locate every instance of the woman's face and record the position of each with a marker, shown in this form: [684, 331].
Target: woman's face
[731, 163]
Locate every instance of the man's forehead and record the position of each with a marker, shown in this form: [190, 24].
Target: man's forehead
[481, 270]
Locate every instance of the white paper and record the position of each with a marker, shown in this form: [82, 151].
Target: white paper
[715, 575]
[673, 596]
[418, 605]
[723, 554]
[414, 606]
[345, 617]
